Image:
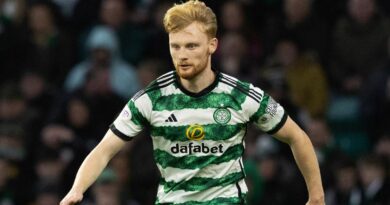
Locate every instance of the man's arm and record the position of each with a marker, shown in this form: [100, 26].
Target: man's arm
[92, 166]
[305, 158]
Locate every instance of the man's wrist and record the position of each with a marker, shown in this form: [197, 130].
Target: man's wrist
[76, 190]
[317, 198]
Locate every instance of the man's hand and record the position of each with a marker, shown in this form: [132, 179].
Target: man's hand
[72, 198]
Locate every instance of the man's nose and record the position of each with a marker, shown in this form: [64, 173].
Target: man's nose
[182, 55]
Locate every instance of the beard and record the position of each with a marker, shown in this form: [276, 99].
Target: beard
[191, 71]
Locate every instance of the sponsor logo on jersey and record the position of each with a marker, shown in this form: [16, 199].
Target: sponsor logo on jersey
[222, 116]
[196, 133]
[196, 148]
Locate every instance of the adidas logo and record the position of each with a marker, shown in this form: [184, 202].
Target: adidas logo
[171, 118]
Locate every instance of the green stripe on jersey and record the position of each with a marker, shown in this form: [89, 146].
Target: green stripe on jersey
[212, 132]
[137, 117]
[240, 91]
[263, 105]
[200, 183]
[181, 101]
[154, 94]
[164, 159]
[216, 201]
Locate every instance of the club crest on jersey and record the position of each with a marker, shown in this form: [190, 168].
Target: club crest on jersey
[222, 116]
[195, 132]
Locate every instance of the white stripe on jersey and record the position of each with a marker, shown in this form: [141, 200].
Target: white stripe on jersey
[170, 90]
[165, 76]
[250, 106]
[211, 171]
[125, 125]
[223, 88]
[144, 102]
[186, 117]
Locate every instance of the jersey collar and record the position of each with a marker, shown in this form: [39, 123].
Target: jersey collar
[202, 92]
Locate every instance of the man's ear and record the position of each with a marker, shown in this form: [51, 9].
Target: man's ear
[213, 44]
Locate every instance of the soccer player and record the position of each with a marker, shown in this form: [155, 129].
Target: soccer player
[198, 118]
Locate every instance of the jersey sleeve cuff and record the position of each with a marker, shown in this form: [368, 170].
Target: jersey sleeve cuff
[119, 133]
[279, 125]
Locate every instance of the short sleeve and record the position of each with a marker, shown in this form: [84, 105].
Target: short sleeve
[132, 119]
[270, 115]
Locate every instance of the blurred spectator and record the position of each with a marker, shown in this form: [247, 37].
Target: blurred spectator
[70, 145]
[6, 193]
[104, 57]
[57, 139]
[38, 93]
[120, 165]
[12, 103]
[132, 38]
[346, 188]
[78, 116]
[11, 17]
[149, 69]
[322, 140]
[272, 80]
[234, 21]
[376, 100]
[157, 45]
[106, 191]
[233, 57]
[13, 11]
[382, 148]
[358, 46]
[85, 14]
[13, 110]
[374, 178]
[66, 7]
[47, 195]
[326, 148]
[144, 175]
[302, 22]
[254, 182]
[115, 14]
[49, 169]
[304, 77]
[48, 48]
[12, 142]
[277, 184]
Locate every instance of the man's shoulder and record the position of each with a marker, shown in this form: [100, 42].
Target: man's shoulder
[242, 88]
[233, 81]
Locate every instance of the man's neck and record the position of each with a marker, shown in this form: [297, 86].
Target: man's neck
[200, 82]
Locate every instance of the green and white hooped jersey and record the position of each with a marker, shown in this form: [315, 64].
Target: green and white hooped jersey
[198, 139]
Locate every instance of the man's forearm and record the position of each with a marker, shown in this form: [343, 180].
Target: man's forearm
[306, 160]
[96, 161]
[89, 170]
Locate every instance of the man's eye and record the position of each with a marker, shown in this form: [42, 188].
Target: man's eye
[191, 46]
[174, 46]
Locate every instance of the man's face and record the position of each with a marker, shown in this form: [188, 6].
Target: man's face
[361, 10]
[190, 50]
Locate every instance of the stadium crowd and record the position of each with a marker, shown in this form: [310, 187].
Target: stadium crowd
[67, 68]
